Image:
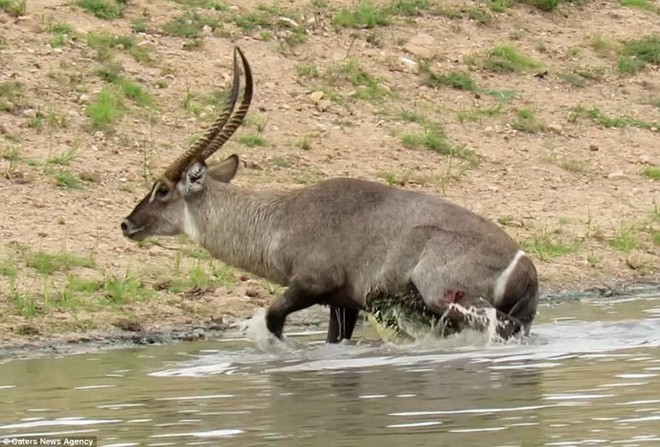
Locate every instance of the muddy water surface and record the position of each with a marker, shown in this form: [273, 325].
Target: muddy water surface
[590, 375]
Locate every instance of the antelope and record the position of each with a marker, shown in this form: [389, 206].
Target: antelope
[340, 242]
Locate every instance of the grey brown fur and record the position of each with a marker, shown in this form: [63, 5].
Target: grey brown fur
[342, 241]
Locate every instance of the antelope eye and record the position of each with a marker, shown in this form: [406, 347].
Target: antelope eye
[162, 191]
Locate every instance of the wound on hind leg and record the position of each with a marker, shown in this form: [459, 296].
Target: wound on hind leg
[464, 311]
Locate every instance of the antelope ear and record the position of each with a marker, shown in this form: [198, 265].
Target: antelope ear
[225, 170]
[195, 178]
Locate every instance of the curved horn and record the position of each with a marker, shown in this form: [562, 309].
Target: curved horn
[237, 119]
[175, 169]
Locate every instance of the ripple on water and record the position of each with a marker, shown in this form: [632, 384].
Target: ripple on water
[574, 382]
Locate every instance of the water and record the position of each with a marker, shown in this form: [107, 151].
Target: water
[589, 376]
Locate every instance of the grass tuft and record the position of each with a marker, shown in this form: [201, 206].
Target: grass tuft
[103, 9]
[67, 180]
[508, 59]
[646, 5]
[190, 25]
[547, 246]
[105, 44]
[638, 53]
[434, 139]
[526, 121]
[459, 80]
[11, 93]
[15, 8]
[368, 87]
[364, 15]
[106, 109]
[253, 140]
[604, 120]
[48, 263]
[652, 172]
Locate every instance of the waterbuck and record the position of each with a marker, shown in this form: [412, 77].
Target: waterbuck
[341, 242]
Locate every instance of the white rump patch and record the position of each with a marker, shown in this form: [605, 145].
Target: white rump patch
[500, 284]
[189, 224]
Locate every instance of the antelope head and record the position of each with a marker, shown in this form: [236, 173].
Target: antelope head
[163, 210]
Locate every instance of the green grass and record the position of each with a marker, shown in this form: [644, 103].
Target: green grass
[548, 5]
[596, 115]
[198, 103]
[479, 16]
[580, 77]
[626, 240]
[106, 109]
[547, 246]
[8, 267]
[499, 5]
[636, 54]
[11, 92]
[103, 9]
[638, 4]
[190, 25]
[307, 71]
[409, 8]
[65, 158]
[368, 87]
[604, 45]
[572, 166]
[459, 80]
[199, 277]
[304, 143]
[25, 304]
[281, 162]
[366, 14]
[14, 8]
[48, 263]
[60, 33]
[109, 105]
[67, 180]
[204, 4]
[121, 290]
[413, 116]
[363, 15]
[505, 221]
[252, 140]
[479, 114]
[652, 172]
[135, 93]
[106, 44]
[433, 138]
[506, 59]
[526, 121]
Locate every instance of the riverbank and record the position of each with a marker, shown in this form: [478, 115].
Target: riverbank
[545, 121]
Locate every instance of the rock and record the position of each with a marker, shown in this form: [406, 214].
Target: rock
[409, 64]
[252, 293]
[316, 96]
[615, 175]
[593, 148]
[324, 105]
[555, 128]
[643, 159]
[253, 165]
[635, 260]
[129, 325]
[288, 22]
[422, 45]
[83, 98]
